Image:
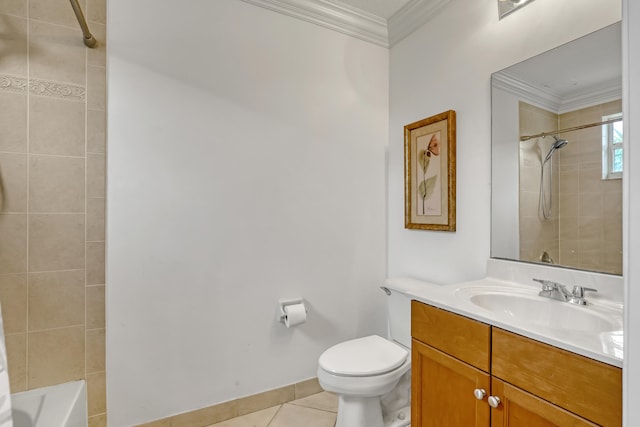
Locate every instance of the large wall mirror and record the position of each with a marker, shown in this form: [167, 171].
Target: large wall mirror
[557, 156]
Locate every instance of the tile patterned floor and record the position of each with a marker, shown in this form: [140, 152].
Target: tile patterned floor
[317, 410]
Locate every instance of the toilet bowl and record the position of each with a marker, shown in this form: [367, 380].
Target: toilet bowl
[361, 372]
[372, 375]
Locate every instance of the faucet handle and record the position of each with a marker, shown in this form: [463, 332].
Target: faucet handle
[578, 291]
[547, 285]
[577, 295]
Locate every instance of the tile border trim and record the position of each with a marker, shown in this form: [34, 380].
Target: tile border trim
[40, 87]
[13, 83]
[57, 90]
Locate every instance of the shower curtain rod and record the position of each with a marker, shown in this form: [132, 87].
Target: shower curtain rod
[590, 125]
[89, 40]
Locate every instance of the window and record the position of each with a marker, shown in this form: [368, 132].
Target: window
[612, 151]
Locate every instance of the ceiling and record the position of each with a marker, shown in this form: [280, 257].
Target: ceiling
[381, 22]
[585, 71]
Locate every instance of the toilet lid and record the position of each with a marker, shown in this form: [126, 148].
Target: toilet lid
[372, 355]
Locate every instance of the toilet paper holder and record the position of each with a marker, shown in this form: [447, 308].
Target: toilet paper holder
[284, 303]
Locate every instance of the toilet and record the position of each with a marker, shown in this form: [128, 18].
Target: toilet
[372, 375]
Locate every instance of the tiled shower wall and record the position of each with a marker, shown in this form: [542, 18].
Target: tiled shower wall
[536, 235]
[52, 166]
[585, 228]
[591, 207]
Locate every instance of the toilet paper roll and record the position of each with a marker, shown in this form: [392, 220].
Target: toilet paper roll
[294, 314]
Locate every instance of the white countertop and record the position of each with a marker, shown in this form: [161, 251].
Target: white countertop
[565, 332]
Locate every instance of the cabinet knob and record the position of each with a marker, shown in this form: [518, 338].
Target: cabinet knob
[479, 393]
[494, 401]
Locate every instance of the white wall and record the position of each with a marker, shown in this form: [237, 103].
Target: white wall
[246, 164]
[631, 108]
[447, 64]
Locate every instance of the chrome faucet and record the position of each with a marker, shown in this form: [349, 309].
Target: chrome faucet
[559, 292]
[553, 290]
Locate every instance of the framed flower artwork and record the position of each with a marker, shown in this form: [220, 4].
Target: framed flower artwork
[430, 173]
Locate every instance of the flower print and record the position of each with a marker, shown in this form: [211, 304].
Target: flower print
[434, 146]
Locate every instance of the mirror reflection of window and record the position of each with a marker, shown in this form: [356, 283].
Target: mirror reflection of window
[612, 151]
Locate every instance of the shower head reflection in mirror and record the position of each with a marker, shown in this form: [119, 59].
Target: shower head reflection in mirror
[546, 186]
[557, 144]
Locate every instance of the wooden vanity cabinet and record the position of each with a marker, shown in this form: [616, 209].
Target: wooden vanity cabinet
[538, 385]
[450, 359]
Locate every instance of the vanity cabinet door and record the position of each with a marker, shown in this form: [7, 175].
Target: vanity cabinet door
[576, 383]
[517, 408]
[442, 390]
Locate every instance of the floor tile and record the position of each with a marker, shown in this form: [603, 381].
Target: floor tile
[255, 419]
[324, 401]
[296, 416]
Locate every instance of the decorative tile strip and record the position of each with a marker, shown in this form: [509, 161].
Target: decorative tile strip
[57, 90]
[13, 83]
[42, 87]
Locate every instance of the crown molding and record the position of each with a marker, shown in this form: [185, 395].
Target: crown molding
[354, 22]
[410, 17]
[338, 17]
[532, 94]
[609, 93]
[547, 100]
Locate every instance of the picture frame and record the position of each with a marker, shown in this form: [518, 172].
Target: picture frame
[430, 173]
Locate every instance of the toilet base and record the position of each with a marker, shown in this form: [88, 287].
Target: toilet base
[398, 418]
[359, 412]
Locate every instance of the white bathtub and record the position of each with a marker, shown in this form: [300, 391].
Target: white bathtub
[62, 405]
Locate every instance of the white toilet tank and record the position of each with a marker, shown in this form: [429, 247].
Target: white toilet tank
[398, 312]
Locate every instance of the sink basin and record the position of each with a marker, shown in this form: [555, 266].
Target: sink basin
[545, 312]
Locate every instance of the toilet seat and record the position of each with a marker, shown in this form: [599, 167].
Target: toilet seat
[362, 357]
